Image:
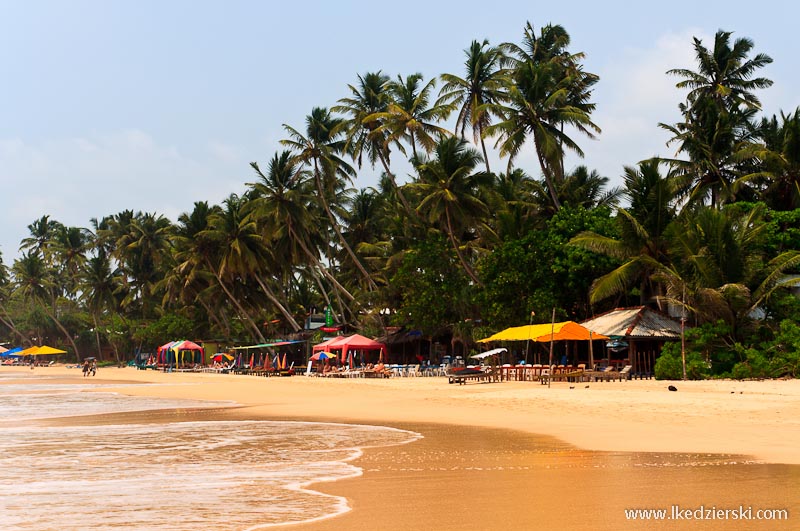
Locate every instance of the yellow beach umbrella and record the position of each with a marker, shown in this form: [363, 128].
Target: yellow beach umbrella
[28, 351]
[44, 350]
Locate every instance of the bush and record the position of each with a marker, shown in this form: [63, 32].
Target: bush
[755, 365]
[669, 366]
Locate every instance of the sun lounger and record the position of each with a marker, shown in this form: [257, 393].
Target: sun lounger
[462, 376]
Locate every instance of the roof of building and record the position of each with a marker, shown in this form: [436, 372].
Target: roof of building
[638, 322]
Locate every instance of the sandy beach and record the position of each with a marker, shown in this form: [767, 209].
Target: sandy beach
[514, 455]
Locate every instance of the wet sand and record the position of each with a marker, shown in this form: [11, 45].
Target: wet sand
[517, 455]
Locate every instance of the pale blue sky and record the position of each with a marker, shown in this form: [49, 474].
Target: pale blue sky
[152, 105]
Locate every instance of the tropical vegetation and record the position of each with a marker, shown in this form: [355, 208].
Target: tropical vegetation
[464, 246]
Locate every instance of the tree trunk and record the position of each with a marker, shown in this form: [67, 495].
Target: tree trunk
[467, 269]
[271, 296]
[397, 190]
[8, 322]
[371, 284]
[63, 331]
[97, 334]
[546, 170]
[239, 307]
[322, 268]
[485, 156]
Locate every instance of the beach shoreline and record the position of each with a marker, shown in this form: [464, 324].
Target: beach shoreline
[755, 418]
[470, 431]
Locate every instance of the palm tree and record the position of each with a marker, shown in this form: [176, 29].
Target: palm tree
[363, 129]
[143, 250]
[717, 115]
[580, 187]
[191, 279]
[724, 74]
[641, 245]
[717, 260]
[43, 233]
[546, 91]
[237, 244]
[321, 148]
[450, 189]
[99, 285]
[70, 247]
[5, 291]
[514, 203]
[283, 202]
[779, 152]
[369, 97]
[480, 88]
[410, 115]
[34, 283]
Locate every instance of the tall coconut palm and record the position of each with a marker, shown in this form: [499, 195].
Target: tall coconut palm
[191, 279]
[42, 235]
[368, 97]
[475, 93]
[70, 248]
[99, 285]
[34, 283]
[238, 244]
[450, 191]
[546, 92]
[411, 116]
[717, 115]
[717, 260]
[321, 148]
[362, 129]
[143, 250]
[778, 175]
[282, 200]
[725, 73]
[641, 246]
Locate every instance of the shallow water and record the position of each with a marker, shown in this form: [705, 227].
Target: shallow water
[164, 475]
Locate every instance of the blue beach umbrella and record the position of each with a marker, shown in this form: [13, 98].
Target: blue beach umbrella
[322, 356]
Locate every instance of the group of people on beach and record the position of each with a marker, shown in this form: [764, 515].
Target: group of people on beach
[89, 367]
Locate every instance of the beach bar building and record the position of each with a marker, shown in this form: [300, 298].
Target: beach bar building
[636, 333]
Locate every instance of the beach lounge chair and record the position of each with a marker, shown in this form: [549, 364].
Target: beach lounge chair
[462, 376]
[608, 373]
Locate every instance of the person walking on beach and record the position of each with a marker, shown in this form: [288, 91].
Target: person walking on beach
[94, 367]
[86, 368]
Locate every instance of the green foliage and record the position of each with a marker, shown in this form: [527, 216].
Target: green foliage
[432, 288]
[669, 365]
[169, 327]
[540, 272]
[754, 365]
[783, 231]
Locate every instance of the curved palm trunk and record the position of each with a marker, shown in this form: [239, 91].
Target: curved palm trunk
[397, 190]
[64, 331]
[322, 268]
[271, 296]
[214, 317]
[9, 323]
[242, 312]
[339, 301]
[97, 334]
[547, 171]
[335, 225]
[467, 269]
[483, 148]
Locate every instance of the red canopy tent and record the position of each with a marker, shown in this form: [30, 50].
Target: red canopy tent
[325, 345]
[353, 343]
